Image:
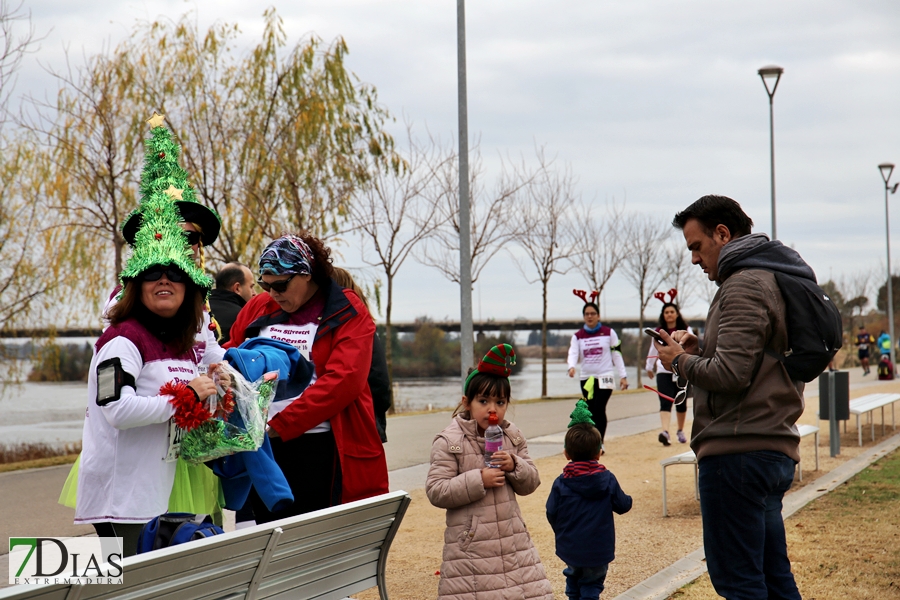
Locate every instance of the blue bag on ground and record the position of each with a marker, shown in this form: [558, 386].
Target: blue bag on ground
[171, 529]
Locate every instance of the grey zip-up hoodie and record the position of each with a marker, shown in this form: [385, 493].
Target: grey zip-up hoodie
[744, 400]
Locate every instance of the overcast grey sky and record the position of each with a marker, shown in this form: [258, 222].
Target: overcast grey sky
[655, 101]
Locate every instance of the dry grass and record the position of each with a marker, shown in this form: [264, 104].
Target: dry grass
[27, 453]
[647, 542]
[856, 560]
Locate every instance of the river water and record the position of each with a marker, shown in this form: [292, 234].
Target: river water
[53, 413]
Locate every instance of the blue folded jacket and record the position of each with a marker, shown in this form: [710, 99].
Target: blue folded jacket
[253, 359]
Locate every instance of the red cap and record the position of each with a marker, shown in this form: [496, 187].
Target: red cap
[493, 419]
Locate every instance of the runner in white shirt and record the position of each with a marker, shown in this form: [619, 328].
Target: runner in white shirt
[596, 348]
[670, 320]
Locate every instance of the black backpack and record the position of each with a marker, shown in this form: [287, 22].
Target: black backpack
[813, 324]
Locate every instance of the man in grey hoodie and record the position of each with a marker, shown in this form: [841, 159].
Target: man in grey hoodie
[745, 404]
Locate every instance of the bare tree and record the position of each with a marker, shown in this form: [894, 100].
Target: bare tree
[395, 212]
[598, 246]
[546, 235]
[14, 45]
[491, 215]
[645, 265]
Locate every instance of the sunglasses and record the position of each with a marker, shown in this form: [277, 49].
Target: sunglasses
[173, 275]
[279, 286]
[193, 237]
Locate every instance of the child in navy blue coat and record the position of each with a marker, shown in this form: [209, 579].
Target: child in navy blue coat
[580, 510]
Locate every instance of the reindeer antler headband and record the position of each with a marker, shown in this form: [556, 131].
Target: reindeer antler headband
[661, 296]
[583, 295]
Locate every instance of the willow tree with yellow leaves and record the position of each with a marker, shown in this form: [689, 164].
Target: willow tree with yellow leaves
[274, 138]
[278, 139]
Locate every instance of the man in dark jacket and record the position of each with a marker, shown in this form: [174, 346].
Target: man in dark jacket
[745, 404]
[234, 288]
[580, 511]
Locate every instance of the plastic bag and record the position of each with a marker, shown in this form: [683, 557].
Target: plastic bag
[239, 412]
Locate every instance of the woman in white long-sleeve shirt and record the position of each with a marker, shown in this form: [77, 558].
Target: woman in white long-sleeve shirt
[670, 320]
[596, 347]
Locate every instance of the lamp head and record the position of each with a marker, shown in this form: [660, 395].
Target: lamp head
[886, 170]
[770, 74]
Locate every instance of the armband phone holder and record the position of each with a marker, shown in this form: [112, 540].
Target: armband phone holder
[111, 378]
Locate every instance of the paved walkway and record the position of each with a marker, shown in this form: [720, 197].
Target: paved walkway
[29, 498]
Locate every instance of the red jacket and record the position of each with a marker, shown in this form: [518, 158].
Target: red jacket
[342, 354]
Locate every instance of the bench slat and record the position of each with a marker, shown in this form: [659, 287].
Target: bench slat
[326, 554]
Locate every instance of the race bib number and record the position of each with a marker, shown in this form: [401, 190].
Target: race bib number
[175, 435]
[606, 382]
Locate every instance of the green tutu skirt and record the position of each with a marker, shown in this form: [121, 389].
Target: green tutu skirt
[196, 489]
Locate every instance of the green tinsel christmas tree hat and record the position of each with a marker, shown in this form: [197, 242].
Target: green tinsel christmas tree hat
[497, 361]
[159, 239]
[162, 173]
[581, 414]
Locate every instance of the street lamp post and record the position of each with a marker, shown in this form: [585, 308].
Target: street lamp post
[768, 74]
[466, 328]
[886, 170]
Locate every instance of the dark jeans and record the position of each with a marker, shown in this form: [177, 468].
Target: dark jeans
[743, 532]
[597, 405]
[584, 583]
[312, 469]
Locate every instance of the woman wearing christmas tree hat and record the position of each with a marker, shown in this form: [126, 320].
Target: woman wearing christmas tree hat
[145, 365]
[196, 489]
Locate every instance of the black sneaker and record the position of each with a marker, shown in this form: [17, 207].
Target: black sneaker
[664, 438]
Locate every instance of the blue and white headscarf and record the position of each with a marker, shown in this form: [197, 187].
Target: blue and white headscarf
[285, 256]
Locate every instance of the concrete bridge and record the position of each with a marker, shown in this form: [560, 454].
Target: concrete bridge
[408, 327]
[528, 325]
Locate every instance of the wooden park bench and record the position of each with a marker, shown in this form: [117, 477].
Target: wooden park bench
[326, 554]
[867, 404]
[689, 458]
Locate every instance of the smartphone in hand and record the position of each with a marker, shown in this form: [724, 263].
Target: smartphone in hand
[654, 334]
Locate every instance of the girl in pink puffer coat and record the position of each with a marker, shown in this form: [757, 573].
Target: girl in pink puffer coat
[488, 553]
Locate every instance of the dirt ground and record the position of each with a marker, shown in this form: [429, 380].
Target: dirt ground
[646, 542]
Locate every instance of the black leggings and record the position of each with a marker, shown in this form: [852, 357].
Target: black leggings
[597, 406]
[666, 385]
[312, 469]
[129, 532]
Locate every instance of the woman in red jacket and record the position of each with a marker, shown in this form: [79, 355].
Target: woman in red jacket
[324, 439]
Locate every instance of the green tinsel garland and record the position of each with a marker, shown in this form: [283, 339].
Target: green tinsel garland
[216, 438]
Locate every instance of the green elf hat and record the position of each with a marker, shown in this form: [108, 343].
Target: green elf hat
[497, 362]
[581, 414]
[162, 173]
[159, 239]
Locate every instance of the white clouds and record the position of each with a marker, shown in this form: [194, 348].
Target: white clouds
[657, 98]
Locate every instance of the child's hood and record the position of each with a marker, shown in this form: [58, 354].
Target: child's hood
[592, 487]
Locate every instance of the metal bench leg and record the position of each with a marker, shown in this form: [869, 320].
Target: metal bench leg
[859, 431]
[665, 511]
[872, 422]
[817, 450]
[882, 421]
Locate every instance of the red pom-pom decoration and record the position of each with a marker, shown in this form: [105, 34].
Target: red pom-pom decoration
[212, 326]
[161, 155]
[159, 236]
[189, 414]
